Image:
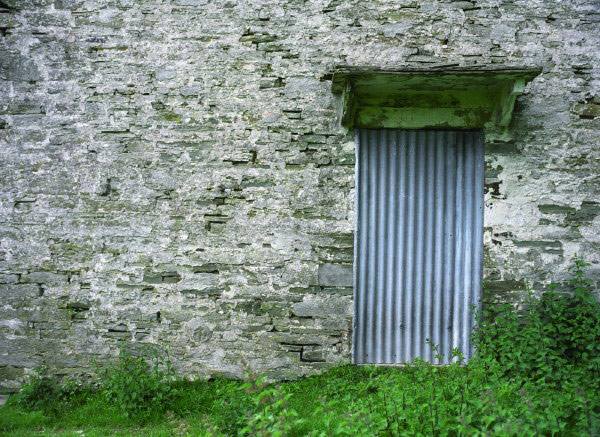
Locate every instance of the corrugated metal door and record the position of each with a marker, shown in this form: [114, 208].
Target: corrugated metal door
[419, 237]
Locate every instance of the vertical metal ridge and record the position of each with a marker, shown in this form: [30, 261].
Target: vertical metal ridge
[391, 159]
[358, 249]
[467, 265]
[362, 250]
[440, 205]
[417, 312]
[372, 241]
[400, 248]
[358, 198]
[409, 244]
[448, 257]
[377, 289]
[417, 272]
[380, 291]
[376, 223]
[419, 243]
[428, 251]
[458, 242]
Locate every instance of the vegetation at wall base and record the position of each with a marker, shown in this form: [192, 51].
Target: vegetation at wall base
[536, 373]
[139, 385]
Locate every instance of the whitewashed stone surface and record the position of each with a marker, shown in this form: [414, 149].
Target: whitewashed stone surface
[173, 172]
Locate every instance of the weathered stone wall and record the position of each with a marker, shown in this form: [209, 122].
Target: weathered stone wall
[174, 171]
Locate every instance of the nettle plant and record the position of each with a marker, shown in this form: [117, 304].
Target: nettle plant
[271, 415]
[140, 384]
[41, 392]
[555, 338]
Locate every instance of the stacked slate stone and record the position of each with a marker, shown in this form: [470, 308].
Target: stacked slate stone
[174, 172]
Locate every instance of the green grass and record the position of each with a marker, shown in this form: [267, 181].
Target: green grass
[347, 400]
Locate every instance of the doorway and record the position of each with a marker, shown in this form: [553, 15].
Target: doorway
[419, 243]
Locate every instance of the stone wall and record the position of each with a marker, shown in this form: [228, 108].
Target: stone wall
[174, 171]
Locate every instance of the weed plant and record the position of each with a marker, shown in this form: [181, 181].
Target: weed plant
[41, 393]
[552, 341]
[536, 372]
[139, 385]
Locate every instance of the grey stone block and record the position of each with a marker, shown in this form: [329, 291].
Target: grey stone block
[313, 354]
[19, 68]
[18, 360]
[8, 279]
[43, 278]
[335, 275]
[323, 308]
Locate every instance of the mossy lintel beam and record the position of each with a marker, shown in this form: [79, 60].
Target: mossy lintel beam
[451, 97]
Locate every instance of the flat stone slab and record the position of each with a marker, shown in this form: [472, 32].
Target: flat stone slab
[335, 275]
[3, 399]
